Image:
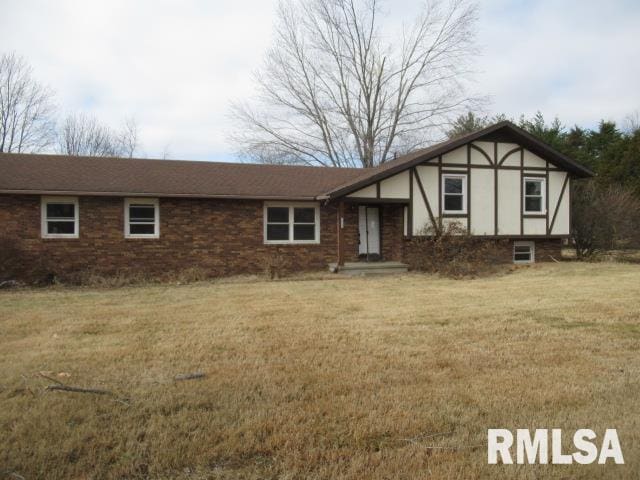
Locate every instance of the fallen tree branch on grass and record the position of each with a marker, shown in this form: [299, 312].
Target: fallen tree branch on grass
[188, 376]
[51, 379]
[66, 388]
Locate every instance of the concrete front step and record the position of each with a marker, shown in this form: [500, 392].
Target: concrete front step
[369, 268]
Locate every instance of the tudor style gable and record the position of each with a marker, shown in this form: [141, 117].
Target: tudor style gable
[498, 182]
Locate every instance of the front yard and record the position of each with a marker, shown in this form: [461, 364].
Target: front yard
[395, 377]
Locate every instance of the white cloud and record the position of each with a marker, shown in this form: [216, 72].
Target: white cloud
[574, 59]
[175, 65]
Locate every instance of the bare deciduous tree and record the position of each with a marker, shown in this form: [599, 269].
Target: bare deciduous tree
[26, 108]
[603, 217]
[82, 134]
[336, 90]
[128, 138]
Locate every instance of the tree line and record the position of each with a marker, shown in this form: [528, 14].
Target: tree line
[28, 120]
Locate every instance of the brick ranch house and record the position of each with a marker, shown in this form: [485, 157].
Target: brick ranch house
[60, 215]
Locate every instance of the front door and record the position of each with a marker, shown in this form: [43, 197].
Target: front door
[369, 223]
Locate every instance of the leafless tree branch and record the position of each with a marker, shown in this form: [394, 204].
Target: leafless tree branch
[26, 108]
[334, 91]
[83, 135]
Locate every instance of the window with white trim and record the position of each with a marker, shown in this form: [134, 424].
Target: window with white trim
[524, 252]
[141, 218]
[60, 217]
[454, 193]
[534, 191]
[291, 223]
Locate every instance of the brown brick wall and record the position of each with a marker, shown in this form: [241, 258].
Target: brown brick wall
[545, 249]
[392, 232]
[221, 237]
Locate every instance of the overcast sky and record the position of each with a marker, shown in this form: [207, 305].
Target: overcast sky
[175, 65]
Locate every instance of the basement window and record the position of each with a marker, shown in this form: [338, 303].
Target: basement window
[291, 223]
[141, 218]
[454, 192]
[524, 252]
[534, 191]
[60, 217]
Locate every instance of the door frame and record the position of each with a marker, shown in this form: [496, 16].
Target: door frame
[370, 256]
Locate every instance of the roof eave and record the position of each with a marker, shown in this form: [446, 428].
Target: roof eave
[80, 193]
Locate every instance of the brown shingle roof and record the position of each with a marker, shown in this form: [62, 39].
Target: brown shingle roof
[22, 173]
[25, 173]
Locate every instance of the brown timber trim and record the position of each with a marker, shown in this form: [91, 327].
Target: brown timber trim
[521, 192]
[534, 175]
[468, 189]
[534, 215]
[377, 189]
[380, 208]
[546, 197]
[424, 197]
[340, 234]
[569, 178]
[484, 154]
[502, 167]
[506, 155]
[495, 190]
[439, 188]
[463, 171]
[365, 200]
[454, 215]
[410, 209]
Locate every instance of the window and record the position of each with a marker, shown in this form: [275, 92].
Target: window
[454, 192]
[60, 217]
[141, 218]
[534, 190]
[291, 223]
[523, 252]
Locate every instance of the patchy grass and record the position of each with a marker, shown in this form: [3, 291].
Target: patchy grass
[351, 378]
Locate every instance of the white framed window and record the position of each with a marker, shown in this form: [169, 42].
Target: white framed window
[60, 217]
[141, 218]
[454, 193]
[524, 252]
[534, 195]
[286, 223]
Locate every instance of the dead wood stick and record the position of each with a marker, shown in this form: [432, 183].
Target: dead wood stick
[51, 379]
[66, 388]
[188, 376]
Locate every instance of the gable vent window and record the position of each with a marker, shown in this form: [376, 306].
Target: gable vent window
[523, 252]
[454, 192]
[534, 189]
[142, 218]
[291, 223]
[60, 217]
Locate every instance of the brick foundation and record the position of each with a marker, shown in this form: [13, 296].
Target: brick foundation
[545, 249]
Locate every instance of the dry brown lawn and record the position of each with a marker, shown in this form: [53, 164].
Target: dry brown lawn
[395, 377]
